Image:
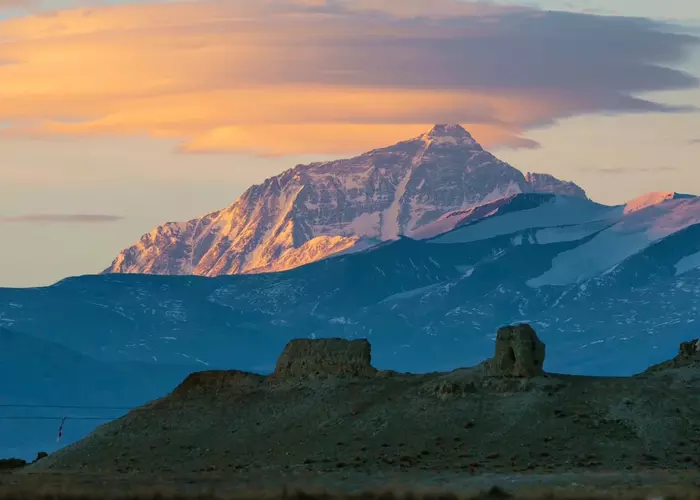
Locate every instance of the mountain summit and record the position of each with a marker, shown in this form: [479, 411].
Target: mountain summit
[313, 211]
[452, 134]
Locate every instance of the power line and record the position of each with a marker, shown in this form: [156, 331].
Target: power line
[121, 409]
[68, 407]
[85, 407]
[62, 407]
[24, 417]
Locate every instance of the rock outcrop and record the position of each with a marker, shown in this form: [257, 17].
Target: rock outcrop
[545, 183]
[519, 353]
[688, 355]
[689, 350]
[214, 381]
[322, 358]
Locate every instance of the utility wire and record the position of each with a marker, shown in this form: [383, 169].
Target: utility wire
[78, 407]
[23, 417]
[61, 407]
[121, 409]
[69, 407]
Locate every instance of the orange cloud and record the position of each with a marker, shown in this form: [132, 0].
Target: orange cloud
[295, 120]
[279, 77]
[278, 140]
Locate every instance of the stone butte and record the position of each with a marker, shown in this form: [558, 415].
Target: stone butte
[321, 358]
[519, 353]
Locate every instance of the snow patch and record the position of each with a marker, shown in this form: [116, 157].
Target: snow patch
[632, 234]
[688, 263]
[341, 320]
[466, 270]
[390, 227]
[498, 193]
[366, 224]
[649, 199]
[562, 211]
[570, 233]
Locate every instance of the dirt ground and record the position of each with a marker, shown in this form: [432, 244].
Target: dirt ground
[648, 484]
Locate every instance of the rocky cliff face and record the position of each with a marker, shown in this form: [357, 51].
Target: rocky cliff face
[545, 183]
[312, 211]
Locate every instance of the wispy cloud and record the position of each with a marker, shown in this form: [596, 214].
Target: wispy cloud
[61, 218]
[14, 7]
[627, 171]
[326, 76]
[12, 4]
[694, 141]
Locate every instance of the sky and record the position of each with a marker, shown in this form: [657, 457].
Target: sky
[118, 116]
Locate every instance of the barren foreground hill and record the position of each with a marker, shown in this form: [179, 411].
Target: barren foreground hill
[326, 409]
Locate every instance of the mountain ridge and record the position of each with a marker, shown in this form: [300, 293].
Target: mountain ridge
[315, 210]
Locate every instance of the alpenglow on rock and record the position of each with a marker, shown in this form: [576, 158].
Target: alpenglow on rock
[313, 211]
[545, 183]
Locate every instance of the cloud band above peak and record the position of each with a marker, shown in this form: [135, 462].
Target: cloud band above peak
[61, 218]
[275, 76]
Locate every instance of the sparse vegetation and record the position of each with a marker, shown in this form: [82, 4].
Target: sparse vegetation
[11, 463]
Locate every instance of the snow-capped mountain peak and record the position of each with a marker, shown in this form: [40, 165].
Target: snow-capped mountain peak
[653, 198]
[312, 211]
[449, 134]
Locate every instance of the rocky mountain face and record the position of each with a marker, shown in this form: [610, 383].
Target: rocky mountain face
[312, 211]
[545, 183]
